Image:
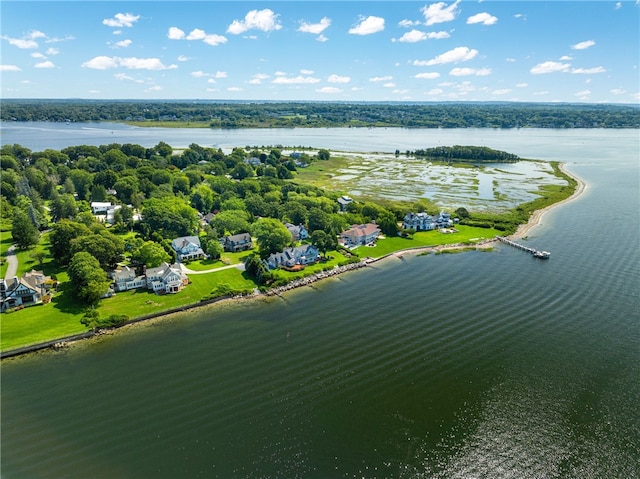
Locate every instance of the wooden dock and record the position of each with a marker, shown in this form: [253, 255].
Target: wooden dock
[536, 253]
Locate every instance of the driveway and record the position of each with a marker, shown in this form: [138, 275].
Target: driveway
[12, 262]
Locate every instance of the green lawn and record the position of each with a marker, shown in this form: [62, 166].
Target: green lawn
[62, 316]
[465, 234]
[225, 260]
[45, 322]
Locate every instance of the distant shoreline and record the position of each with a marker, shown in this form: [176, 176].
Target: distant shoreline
[523, 230]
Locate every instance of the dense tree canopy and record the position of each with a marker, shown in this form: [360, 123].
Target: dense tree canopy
[272, 236]
[216, 114]
[89, 281]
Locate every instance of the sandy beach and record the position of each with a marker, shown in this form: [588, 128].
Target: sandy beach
[536, 217]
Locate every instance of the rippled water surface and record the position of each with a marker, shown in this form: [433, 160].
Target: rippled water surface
[451, 366]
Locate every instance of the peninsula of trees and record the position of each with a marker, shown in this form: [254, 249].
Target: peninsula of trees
[220, 114]
[47, 208]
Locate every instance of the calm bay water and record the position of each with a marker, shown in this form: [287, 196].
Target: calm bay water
[451, 366]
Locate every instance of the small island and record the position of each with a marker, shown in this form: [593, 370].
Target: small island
[99, 237]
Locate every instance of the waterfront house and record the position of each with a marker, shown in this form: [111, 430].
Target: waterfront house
[187, 248]
[419, 222]
[344, 201]
[290, 257]
[166, 278]
[426, 222]
[359, 235]
[235, 243]
[126, 279]
[31, 288]
[298, 232]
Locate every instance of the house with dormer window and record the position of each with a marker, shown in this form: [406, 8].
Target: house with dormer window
[187, 248]
[166, 278]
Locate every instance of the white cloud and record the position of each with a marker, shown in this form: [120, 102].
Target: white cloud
[37, 55]
[220, 74]
[299, 80]
[10, 68]
[175, 33]
[617, 91]
[52, 51]
[144, 64]
[522, 85]
[618, 5]
[264, 20]
[209, 39]
[440, 12]
[511, 60]
[519, 15]
[457, 55]
[408, 23]
[321, 38]
[461, 72]
[427, 75]
[417, 36]
[315, 28]
[106, 63]
[367, 26]
[565, 58]
[183, 58]
[101, 63]
[329, 89]
[583, 45]
[125, 77]
[502, 91]
[45, 64]
[123, 43]
[257, 79]
[435, 91]
[199, 74]
[154, 88]
[549, 67]
[121, 20]
[389, 85]
[539, 93]
[582, 94]
[24, 43]
[589, 71]
[381, 79]
[484, 18]
[338, 79]
[234, 88]
[306, 72]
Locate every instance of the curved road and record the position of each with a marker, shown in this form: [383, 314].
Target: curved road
[12, 262]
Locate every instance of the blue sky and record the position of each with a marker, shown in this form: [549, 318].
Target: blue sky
[539, 51]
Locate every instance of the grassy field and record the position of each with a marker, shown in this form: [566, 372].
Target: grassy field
[62, 316]
[465, 235]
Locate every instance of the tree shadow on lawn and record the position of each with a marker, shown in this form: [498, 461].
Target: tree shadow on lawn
[65, 301]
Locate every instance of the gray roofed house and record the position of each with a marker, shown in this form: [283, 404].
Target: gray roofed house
[29, 289]
[187, 248]
[235, 243]
[298, 232]
[302, 255]
[166, 278]
[126, 279]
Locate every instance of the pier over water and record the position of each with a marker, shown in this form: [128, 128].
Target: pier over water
[534, 252]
